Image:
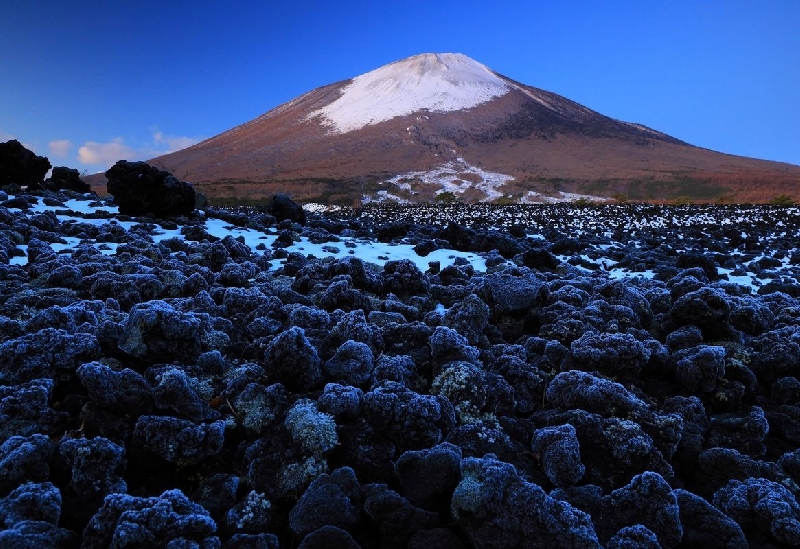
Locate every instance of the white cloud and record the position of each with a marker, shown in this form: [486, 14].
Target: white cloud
[107, 154]
[5, 136]
[60, 147]
[172, 142]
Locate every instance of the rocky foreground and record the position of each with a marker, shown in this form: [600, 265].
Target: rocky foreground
[616, 378]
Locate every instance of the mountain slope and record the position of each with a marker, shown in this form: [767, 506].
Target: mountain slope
[443, 122]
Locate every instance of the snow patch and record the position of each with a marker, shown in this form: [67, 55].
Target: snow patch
[456, 177]
[437, 82]
[533, 197]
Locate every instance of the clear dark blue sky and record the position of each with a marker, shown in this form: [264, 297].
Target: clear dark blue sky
[88, 82]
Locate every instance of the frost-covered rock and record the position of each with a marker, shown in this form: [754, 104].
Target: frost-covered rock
[352, 364]
[178, 440]
[408, 419]
[331, 500]
[258, 406]
[96, 466]
[31, 502]
[559, 451]
[614, 355]
[44, 353]
[341, 401]
[120, 391]
[647, 500]
[292, 360]
[576, 389]
[312, 430]
[757, 504]
[180, 394]
[168, 520]
[24, 459]
[155, 330]
[700, 367]
[497, 508]
[25, 409]
[705, 525]
[428, 477]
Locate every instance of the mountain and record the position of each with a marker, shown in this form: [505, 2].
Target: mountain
[444, 123]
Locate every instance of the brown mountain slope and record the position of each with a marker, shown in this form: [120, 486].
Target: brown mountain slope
[442, 122]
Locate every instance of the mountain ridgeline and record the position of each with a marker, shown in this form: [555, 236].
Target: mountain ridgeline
[443, 126]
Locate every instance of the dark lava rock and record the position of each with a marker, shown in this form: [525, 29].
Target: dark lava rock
[25, 410]
[428, 477]
[31, 502]
[169, 520]
[761, 506]
[396, 518]
[293, 361]
[24, 459]
[328, 536]
[284, 207]
[140, 189]
[559, 452]
[540, 259]
[178, 440]
[20, 166]
[66, 179]
[120, 391]
[44, 353]
[156, 330]
[97, 466]
[331, 500]
[706, 526]
[495, 507]
[647, 500]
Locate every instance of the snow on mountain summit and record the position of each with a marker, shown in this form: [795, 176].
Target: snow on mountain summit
[437, 82]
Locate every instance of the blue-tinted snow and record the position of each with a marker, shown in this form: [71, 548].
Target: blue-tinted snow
[590, 224]
[369, 251]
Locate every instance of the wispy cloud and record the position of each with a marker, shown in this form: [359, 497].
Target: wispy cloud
[60, 147]
[107, 154]
[173, 142]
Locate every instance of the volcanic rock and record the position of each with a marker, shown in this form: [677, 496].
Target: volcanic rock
[21, 166]
[140, 189]
[66, 179]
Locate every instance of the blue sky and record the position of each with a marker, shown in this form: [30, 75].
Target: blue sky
[89, 82]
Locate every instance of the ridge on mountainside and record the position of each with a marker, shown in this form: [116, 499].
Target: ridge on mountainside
[445, 127]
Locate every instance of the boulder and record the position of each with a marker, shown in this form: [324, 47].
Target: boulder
[66, 179]
[284, 207]
[21, 166]
[140, 189]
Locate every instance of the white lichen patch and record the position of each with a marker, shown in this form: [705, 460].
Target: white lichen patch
[462, 384]
[255, 505]
[296, 476]
[313, 430]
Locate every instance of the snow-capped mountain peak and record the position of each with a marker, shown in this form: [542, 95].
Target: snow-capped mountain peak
[437, 82]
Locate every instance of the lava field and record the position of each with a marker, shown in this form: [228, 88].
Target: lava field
[559, 376]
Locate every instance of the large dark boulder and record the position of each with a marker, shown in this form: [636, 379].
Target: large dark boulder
[66, 179]
[284, 207]
[141, 189]
[21, 166]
